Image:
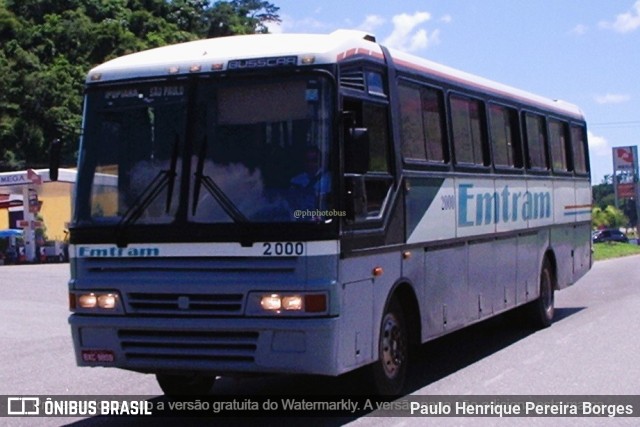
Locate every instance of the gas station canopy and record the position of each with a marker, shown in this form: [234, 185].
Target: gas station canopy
[11, 233]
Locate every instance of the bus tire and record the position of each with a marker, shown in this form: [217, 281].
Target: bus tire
[177, 385]
[541, 311]
[389, 372]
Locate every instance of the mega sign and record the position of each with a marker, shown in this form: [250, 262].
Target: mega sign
[20, 178]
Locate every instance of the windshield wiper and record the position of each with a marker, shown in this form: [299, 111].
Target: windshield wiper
[171, 173]
[213, 189]
[163, 179]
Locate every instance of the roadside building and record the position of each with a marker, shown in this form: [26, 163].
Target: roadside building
[30, 201]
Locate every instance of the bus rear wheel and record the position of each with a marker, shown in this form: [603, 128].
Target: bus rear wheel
[177, 385]
[388, 374]
[542, 310]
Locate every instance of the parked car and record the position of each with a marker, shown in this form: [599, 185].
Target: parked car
[609, 235]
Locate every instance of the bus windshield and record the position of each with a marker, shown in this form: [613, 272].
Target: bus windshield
[207, 151]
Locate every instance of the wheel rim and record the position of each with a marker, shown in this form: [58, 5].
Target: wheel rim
[392, 346]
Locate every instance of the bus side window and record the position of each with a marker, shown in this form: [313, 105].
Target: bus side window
[578, 143]
[377, 177]
[505, 137]
[558, 141]
[468, 124]
[536, 142]
[421, 116]
[411, 123]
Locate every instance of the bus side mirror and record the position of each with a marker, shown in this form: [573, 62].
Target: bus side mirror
[356, 151]
[54, 159]
[355, 197]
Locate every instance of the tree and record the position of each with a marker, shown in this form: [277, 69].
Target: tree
[190, 15]
[598, 218]
[48, 46]
[603, 194]
[617, 218]
[240, 17]
[609, 217]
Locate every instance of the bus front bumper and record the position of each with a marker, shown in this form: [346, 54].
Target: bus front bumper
[216, 346]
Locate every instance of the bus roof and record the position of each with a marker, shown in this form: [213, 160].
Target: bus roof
[220, 54]
[186, 57]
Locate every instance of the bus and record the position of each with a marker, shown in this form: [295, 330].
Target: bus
[312, 204]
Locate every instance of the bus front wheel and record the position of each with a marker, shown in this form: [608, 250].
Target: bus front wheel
[185, 384]
[390, 371]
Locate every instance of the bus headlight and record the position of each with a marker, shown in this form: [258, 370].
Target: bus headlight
[95, 302]
[107, 301]
[287, 304]
[87, 301]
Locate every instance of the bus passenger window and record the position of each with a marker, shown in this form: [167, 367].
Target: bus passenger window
[467, 120]
[558, 145]
[421, 114]
[432, 116]
[505, 139]
[536, 141]
[412, 126]
[578, 142]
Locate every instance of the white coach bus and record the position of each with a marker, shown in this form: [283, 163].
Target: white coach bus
[312, 204]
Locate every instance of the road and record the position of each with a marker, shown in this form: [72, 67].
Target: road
[592, 348]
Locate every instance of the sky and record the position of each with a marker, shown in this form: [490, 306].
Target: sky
[583, 52]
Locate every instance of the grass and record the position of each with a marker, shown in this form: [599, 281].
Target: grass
[613, 250]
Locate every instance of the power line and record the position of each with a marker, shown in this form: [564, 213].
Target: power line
[631, 123]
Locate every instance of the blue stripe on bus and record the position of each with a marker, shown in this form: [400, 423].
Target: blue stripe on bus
[577, 213]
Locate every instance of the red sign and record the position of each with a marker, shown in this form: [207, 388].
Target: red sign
[623, 159]
[33, 177]
[5, 204]
[626, 190]
[24, 224]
